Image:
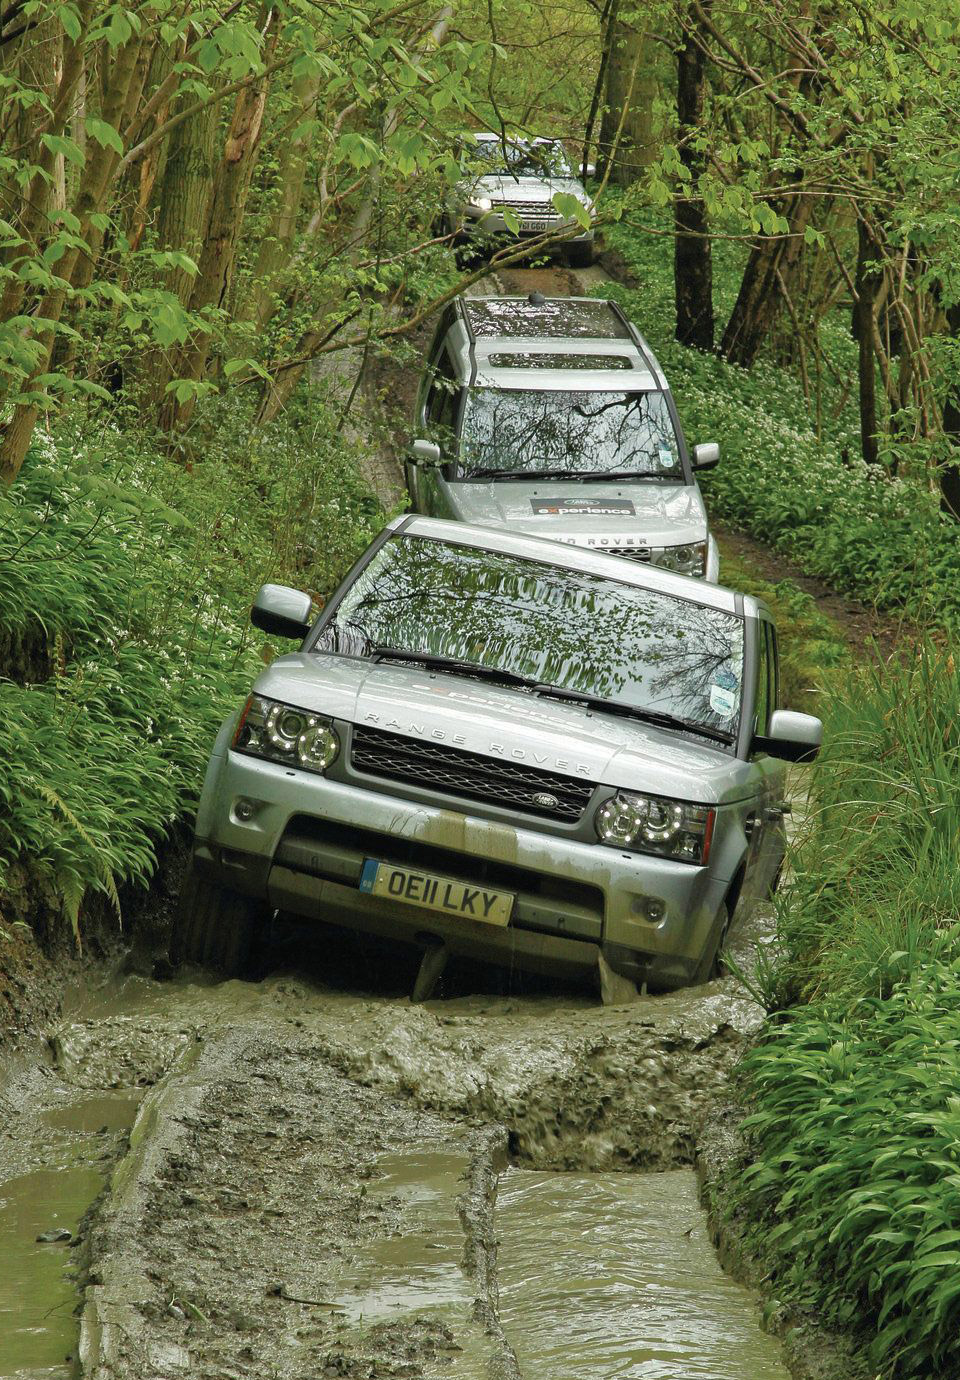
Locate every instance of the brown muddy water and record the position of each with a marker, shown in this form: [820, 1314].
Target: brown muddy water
[38, 1289]
[315, 1187]
[614, 1275]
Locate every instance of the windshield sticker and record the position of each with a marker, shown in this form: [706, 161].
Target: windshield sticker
[667, 458]
[726, 679]
[591, 507]
[723, 701]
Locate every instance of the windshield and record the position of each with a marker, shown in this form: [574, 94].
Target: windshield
[548, 624]
[510, 429]
[522, 160]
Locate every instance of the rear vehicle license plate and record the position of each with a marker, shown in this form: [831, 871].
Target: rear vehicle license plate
[537, 225]
[431, 892]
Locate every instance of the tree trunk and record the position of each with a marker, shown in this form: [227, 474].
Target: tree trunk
[118, 83]
[211, 286]
[606, 33]
[950, 474]
[182, 209]
[274, 253]
[864, 317]
[771, 268]
[692, 257]
[630, 94]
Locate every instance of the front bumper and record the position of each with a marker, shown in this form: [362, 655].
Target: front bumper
[488, 226]
[304, 847]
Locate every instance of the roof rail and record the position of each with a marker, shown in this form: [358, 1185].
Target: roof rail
[635, 336]
[460, 302]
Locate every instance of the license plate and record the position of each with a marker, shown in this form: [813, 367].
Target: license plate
[538, 225]
[430, 892]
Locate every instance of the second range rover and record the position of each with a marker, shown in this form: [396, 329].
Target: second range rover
[552, 416]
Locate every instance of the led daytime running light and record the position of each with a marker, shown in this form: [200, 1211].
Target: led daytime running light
[653, 824]
[283, 733]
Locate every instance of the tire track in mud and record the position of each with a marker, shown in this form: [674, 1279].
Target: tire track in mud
[257, 1193]
[247, 1195]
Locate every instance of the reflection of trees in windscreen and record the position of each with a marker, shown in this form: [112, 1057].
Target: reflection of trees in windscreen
[569, 430]
[521, 160]
[563, 627]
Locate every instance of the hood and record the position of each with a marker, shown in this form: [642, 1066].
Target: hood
[600, 515]
[526, 189]
[507, 724]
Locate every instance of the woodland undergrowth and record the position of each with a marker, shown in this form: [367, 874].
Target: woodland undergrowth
[126, 579]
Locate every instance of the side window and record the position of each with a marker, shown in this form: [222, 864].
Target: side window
[762, 711]
[774, 661]
[442, 400]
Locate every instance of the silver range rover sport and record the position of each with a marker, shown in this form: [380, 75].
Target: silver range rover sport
[496, 746]
[519, 177]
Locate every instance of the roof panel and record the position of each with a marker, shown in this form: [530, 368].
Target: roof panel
[555, 318]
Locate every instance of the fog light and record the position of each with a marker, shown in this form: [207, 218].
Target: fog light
[244, 809]
[651, 908]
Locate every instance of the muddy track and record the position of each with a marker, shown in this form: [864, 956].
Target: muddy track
[299, 1177]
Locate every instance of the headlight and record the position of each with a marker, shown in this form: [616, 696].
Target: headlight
[480, 203]
[685, 560]
[652, 824]
[282, 733]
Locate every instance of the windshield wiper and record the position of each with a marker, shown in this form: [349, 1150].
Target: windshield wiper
[456, 665]
[649, 716]
[491, 472]
[630, 474]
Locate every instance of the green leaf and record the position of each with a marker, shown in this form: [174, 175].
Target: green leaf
[105, 134]
[59, 143]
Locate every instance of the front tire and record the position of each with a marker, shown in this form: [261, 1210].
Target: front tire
[711, 960]
[214, 926]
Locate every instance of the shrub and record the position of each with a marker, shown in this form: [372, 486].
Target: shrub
[855, 1188]
[125, 582]
[877, 865]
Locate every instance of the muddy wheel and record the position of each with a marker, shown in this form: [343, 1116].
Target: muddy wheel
[579, 255]
[215, 926]
[711, 961]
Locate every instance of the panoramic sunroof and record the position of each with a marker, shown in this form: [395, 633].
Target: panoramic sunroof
[547, 361]
[554, 318]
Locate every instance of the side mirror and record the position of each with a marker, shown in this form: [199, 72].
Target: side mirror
[283, 611]
[706, 456]
[588, 170]
[425, 453]
[793, 737]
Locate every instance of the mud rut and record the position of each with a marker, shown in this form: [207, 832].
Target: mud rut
[307, 1176]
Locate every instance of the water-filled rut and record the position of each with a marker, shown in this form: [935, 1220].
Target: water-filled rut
[614, 1274]
[326, 1182]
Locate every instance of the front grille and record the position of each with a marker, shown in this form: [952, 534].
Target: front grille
[529, 210]
[495, 780]
[630, 553]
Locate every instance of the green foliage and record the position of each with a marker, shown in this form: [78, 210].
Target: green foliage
[855, 1188]
[125, 581]
[881, 538]
[812, 648]
[877, 867]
